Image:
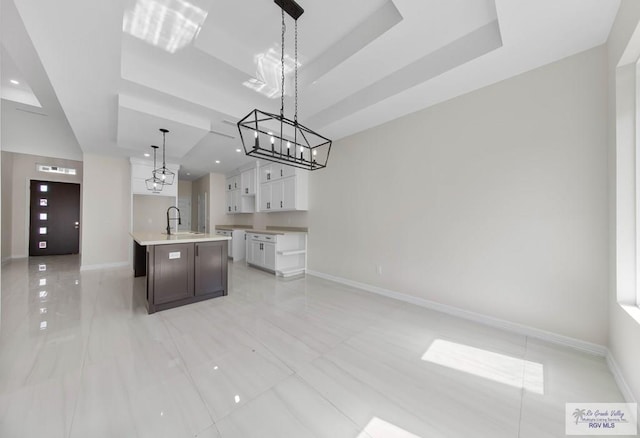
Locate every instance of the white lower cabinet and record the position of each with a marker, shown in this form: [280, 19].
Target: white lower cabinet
[236, 246]
[283, 254]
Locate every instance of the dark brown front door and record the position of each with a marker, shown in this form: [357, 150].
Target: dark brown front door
[55, 218]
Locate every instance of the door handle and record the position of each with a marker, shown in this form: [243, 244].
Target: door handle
[76, 225]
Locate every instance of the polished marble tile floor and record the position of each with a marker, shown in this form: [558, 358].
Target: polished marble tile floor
[79, 357]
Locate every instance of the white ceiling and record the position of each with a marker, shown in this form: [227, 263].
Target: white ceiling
[205, 64]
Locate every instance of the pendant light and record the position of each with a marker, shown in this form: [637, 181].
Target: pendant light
[273, 137]
[154, 183]
[163, 173]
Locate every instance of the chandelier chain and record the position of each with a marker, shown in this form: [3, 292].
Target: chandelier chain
[295, 117]
[282, 67]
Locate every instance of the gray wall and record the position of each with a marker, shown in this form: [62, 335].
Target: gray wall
[624, 320]
[494, 202]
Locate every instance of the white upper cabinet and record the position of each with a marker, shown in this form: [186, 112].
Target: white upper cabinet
[233, 183]
[241, 192]
[283, 188]
[248, 182]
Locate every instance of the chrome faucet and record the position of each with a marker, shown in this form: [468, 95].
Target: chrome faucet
[173, 218]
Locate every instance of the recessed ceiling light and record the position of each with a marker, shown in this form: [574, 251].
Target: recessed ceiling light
[14, 82]
[217, 161]
[238, 150]
[147, 155]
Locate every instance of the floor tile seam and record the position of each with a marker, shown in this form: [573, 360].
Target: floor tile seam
[348, 417]
[187, 371]
[522, 390]
[296, 337]
[398, 403]
[256, 396]
[408, 407]
[85, 354]
[266, 347]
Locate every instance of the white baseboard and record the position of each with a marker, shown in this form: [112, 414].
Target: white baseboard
[104, 266]
[617, 375]
[589, 347]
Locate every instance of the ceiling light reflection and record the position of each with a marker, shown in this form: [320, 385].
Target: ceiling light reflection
[501, 368]
[268, 80]
[167, 24]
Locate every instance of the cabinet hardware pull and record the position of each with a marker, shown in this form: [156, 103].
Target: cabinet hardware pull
[280, 173]
[280, 204]
[197, 250]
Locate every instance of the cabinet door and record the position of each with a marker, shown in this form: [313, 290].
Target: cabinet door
[269, 251]
[265, 173]
[265, 197]
[211, 268]
[229, 208]
[248, 182]
[172, 272]
[287, 171]
[236, 201]
[289, 193]
[257, 255]
[277, 195]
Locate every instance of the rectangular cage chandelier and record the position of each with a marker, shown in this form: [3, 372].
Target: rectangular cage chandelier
[274, 137]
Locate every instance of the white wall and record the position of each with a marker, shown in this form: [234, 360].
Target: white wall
[23, 170]
[37, 134]
[7, 195]
[218, 201]
[150, 213]
[106, 200]
[494, 202]
[624, 328]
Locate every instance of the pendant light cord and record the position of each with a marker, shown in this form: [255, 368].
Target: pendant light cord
[295, 117]
[282, 60]
[164, 134]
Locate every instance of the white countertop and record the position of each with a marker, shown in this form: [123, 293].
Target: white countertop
[146, 238]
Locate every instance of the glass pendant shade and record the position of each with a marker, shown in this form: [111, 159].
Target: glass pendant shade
[163, 173]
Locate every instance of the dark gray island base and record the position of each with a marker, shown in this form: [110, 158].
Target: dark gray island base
[181, 269]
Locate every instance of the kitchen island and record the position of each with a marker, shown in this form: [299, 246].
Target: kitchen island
[181, 268]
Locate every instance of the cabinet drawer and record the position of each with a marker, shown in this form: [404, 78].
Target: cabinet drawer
[264, 237]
